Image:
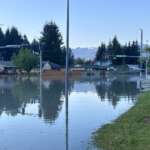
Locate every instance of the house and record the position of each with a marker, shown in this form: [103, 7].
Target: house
[50, 66]
[7, 67]
[46, 66]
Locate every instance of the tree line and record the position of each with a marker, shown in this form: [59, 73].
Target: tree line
[118, 54]
[51, 43]
[11, 37]
[54, 51]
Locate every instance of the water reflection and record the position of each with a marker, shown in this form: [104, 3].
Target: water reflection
[116, 89]
[67, 110]
[8, 102]
[52, 99]
[16, 94]
[22, 92]
[44, 101]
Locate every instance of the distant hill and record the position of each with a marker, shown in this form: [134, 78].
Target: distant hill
[87, 53]
[84, 53]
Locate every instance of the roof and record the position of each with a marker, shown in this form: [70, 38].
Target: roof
[8, 64]
[46, 66]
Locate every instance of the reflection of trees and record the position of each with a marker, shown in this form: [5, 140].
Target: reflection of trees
[26, 91]
[52, 99]
[8, 103]
[14, 98]
[16, 94]
[113, 91]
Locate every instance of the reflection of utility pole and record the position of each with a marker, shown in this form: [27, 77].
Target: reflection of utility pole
[41, 95]
[67, 118]
[66, 76]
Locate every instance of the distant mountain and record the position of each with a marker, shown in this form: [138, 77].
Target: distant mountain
[88, 53]
[84, 53]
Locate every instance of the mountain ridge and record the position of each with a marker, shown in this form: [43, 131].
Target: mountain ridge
[87, 53]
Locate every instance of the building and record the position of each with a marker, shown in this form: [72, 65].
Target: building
[7, 67]
[50, 66]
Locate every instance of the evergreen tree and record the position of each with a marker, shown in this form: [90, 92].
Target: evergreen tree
[116, 52]
[101, 53]
[110, 51]
[116, 49]
[132, 50]
[52, 43]
[15, 37]
[25, 40]
[63, 57]
[2, 40]
[12, 37]
[7, 37]
[6, 53]
[35, 45]
[79, 61]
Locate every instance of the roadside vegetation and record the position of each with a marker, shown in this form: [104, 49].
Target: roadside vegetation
[130, 132]
[25, 60]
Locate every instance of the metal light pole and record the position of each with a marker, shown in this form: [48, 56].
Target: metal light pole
[40, 62]
[66, 75]
[67, 39]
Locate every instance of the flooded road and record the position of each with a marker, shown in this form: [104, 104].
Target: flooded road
[34, 117]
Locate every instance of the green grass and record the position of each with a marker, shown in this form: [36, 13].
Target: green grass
[130, 132]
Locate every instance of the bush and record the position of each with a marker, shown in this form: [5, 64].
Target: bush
[25, 60]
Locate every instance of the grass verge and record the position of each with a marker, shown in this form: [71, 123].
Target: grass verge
[130, 132]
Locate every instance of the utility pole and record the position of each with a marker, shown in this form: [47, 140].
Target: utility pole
[67, 75]
[67, 38]
[40, 50]
[41, 95]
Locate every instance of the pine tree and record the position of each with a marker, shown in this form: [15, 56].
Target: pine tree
[12, 37]
[132, 50]
[101, 53]
[25, 40]
[35, 45]
[52, 43]
[15, 37]
[116, 50]
[2, 40]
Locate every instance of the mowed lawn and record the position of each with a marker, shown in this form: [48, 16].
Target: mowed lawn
[130, 132]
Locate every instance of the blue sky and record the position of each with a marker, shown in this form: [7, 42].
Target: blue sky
[92, 21]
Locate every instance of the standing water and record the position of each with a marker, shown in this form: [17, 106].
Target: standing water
[33, 117]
